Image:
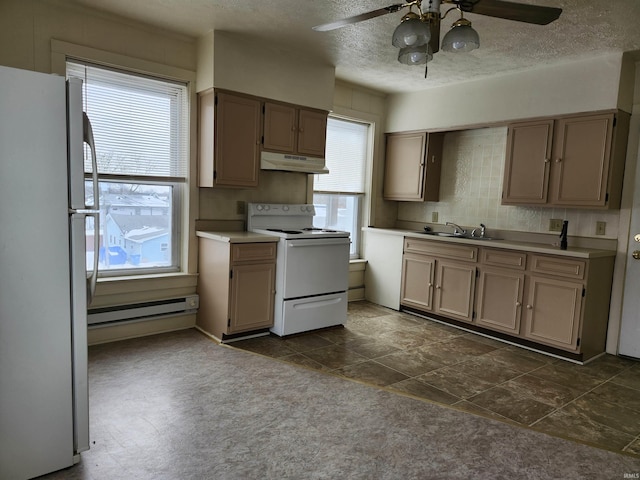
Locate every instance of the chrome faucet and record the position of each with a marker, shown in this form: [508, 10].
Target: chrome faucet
[457, 229]
[482, 231]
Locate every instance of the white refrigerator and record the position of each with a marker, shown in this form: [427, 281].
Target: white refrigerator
[45, 285]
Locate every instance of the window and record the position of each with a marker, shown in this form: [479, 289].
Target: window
[338, 195]
[140, 125]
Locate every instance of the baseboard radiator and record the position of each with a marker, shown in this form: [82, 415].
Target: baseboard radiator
[137, 312]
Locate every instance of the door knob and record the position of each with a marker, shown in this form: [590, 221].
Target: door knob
[636, 254]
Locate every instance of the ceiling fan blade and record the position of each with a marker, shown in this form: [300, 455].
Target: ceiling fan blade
[359, 18]
[518, 12]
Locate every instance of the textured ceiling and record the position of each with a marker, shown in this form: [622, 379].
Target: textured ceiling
[362, 53]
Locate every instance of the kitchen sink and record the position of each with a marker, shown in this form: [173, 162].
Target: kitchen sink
[455, 235]
[442, 234]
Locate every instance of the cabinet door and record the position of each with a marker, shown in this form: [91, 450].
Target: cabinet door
[280, 129]
[237, 141]
[252, 297]
[455, 284]
[582, 148]
[526, 174]
[499, 300]
[405, 166]
[553, 312]
[416, 289]
[312, 132]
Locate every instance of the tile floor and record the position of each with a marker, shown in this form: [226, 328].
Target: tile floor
[597, 403]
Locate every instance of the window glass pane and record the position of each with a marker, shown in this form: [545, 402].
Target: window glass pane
[338, 212]
[135, 227]
[139, 123]
[346, 156]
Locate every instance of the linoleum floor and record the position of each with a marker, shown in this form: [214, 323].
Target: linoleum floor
[597, 403]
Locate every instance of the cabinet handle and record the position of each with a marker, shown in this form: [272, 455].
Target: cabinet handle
[529, 307]
[429, 285]
[546, 160]
[438, 287]
[558, 160]
[518, 304]
[433, 159]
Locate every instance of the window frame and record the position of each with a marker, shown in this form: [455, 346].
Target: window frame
[363, 198]
[186, 253]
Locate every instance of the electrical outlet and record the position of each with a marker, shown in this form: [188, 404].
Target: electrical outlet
[555, 225]
[240, 207]
[601, 228]
[434, 217]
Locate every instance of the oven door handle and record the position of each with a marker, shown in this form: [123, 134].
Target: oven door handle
[318, 243]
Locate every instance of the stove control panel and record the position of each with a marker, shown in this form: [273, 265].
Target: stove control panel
[280, 209]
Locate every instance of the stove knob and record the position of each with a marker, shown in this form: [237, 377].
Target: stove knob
[267, 207]
[259, 208]
[309, 209]
[285, 208]
[302, 208]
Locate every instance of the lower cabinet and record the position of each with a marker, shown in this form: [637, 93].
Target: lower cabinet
[553, 312]
[553, 301]
[439, 278]
[236, 286]
[500, 290]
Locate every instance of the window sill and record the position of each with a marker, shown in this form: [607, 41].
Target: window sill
[116, 290]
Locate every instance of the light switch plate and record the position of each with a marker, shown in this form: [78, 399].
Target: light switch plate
[434, 217]
[601, 228]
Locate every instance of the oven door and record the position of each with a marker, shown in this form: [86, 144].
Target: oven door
[315, 266]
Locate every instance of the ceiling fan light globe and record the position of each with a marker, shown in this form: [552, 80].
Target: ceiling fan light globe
[412, 32]
[461, 38]
[415, 55]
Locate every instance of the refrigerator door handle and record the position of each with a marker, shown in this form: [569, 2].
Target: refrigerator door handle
[92, 276]
[87, 136]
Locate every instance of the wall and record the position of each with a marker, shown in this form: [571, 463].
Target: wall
[249, 65]
[27, 27]
[471, 190]
[580, 86]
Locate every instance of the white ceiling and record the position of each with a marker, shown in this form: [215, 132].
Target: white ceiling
[362, 53]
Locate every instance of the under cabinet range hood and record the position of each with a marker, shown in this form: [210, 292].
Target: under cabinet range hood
[292, 163]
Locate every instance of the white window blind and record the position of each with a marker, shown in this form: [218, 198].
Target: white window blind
[346, 154]
[140, 124]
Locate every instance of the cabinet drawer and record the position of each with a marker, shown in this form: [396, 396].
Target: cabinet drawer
[503, 258]
[561, 267]
[250, 252]
[441, 249]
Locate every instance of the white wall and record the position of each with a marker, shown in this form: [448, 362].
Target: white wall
[248, 65]
[580, 86]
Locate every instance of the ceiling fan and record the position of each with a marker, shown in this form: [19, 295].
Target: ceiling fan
[418, 35]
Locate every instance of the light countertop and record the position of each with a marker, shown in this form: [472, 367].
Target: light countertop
[532, 247]
[236, 237]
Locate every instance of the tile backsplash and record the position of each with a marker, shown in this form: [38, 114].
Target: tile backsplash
[471, 190]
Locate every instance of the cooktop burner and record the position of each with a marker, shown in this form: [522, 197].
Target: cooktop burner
[315, 229]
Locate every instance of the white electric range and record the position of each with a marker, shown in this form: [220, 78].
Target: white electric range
[312, 267]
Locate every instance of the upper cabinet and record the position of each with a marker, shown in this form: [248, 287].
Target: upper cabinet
[228, 139]
[572, 161]
[412, 166]
[295, 130]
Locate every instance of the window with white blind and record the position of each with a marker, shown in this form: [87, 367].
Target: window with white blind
[338, 195]
[140, 126]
